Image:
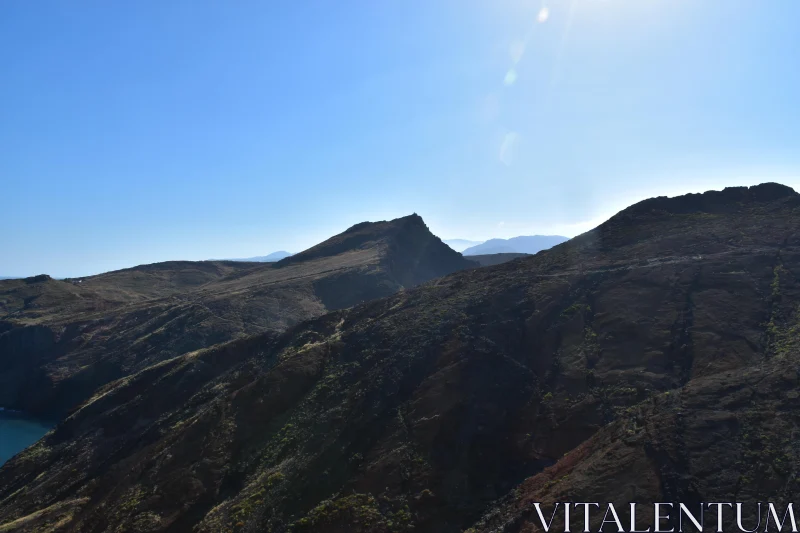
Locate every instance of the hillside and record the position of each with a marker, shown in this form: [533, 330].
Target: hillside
[651, 359]
[516, 245]
[495, 259]
[60, 340]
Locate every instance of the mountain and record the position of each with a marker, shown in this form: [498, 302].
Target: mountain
[61, 340]
[652, 359]
[459, 245]
[274, 256]
[521, 245]
[412, 253]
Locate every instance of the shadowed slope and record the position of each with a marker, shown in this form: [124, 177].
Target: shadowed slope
[495, 259]
[453, 405]
[60, 340]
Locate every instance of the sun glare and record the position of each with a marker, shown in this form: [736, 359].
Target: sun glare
[544, 13]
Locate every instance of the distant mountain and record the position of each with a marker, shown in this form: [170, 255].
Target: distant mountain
[459, 245]
[516, 245]
[270, 258]
[276, 256]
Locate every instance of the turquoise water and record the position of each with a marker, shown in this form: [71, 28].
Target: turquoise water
[17, 432]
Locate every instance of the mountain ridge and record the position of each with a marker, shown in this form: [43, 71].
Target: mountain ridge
[60, 340]
[524, 244]
[451, 406]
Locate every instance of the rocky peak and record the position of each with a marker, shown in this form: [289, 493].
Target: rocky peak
[725, 201]
[410, 251]
[37, 279]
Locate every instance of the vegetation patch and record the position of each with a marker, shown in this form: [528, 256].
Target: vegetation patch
[357, 513]
[576, 308]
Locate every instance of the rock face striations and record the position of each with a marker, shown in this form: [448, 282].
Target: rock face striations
[652, 359]
[61, 340]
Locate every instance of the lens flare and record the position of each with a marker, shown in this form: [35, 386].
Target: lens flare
[511, 77]
[517, 50]
[544, 14]
[508, 147]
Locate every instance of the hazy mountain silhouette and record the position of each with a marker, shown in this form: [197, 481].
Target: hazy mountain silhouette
[520, 245]
[459, 245]
[269, 258]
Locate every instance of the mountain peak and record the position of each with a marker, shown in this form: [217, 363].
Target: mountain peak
[37, 279]
[772, 191]
[691, 224]
[727, 200]
[360, 236]
[408, 219]
[407, 247]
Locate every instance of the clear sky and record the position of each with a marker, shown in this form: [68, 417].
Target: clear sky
[148, 130]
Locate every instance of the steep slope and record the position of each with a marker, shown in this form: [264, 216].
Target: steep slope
[726, 437]
[521, 245]
[415, 253]
[60, 340]
[644, 345]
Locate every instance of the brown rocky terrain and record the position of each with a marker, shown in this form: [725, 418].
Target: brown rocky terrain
[62, 339]
[654, 358]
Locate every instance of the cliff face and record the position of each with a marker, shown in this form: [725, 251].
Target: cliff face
[61, 340]
[652, 359]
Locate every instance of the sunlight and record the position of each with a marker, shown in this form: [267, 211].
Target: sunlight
[544, 13]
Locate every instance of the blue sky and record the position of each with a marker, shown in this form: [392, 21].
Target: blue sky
[136, 132]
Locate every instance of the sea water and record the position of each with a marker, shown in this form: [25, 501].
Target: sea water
[17, 432]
